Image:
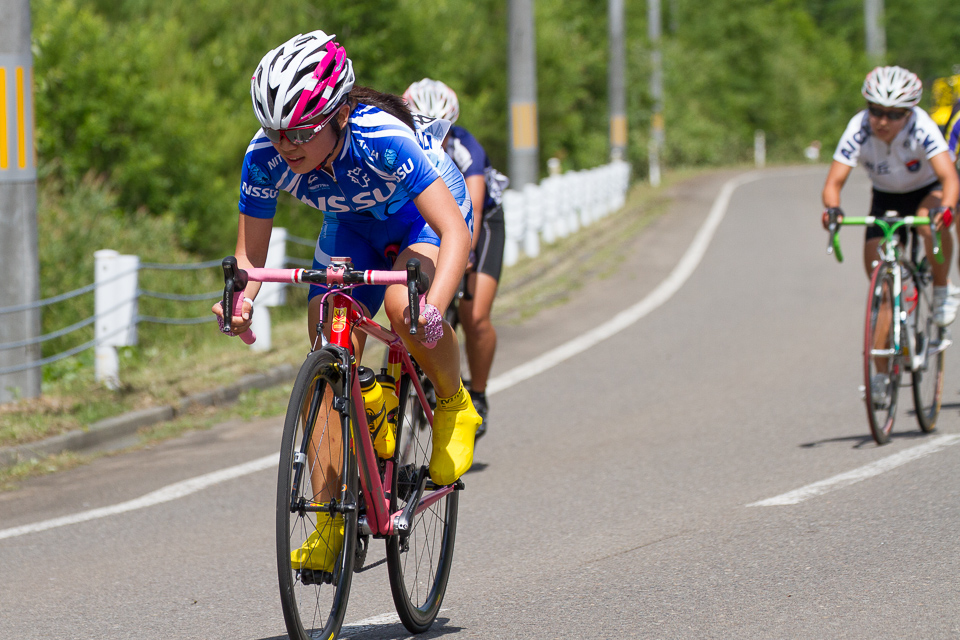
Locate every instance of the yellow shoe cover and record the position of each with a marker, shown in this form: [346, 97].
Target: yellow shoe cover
[320, 551]
[455, 425]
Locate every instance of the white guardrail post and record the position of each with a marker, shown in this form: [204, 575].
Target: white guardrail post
[115, 304]
[513, 207]
[560, 205]
[272, 294]
[533, 219]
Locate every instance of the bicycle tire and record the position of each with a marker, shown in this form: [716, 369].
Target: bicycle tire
[419, 562]
[314, 603]
[881, 412]
[927, 379]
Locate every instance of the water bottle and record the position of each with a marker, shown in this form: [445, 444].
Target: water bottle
[374, 403]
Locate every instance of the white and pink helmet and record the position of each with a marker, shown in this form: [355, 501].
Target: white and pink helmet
[433, 98]
[892, 87]
[306, 76]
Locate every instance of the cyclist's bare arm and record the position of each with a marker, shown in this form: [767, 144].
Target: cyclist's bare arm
[477, 188]
[947, 173]
[438, 207]
[836, 178]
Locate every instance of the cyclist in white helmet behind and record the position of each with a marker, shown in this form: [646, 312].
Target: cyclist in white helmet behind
[435, 99]
[910, 166]
[379, 178]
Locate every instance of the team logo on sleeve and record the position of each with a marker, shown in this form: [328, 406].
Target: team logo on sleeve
[390, 159]
[913, 166]
[258, 176]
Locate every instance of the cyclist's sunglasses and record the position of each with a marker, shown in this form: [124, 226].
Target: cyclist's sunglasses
[298, 135]
[891, 115]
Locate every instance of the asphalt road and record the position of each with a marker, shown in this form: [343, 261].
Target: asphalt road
[615, 495]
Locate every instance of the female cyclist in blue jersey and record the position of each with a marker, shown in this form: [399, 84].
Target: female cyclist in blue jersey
[380, 178]
[435, 99]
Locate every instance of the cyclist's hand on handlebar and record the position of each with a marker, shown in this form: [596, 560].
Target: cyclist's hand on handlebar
[831, 214]
[238, 324]
[942, 217]
[429, 324]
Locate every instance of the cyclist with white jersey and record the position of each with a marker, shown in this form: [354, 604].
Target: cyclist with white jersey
[486, 185]
[910, 166]
[381, 178]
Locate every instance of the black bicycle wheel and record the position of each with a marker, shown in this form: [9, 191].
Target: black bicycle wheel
[419, 562]
[881, 364]
[317, 484]
[926, 355]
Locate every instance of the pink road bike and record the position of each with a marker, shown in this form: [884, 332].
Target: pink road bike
[326, 426]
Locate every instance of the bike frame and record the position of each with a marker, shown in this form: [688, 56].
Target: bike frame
[890, 254]
[346, 315]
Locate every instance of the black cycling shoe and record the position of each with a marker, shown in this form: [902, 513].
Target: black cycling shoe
[479, 399]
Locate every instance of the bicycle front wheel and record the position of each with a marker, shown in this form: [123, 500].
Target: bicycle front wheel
[419, 562]
[881, 363]
[317, 501]
[928, 351]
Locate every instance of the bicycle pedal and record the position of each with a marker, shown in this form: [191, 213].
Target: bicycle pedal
[937, 347]
[311, 576]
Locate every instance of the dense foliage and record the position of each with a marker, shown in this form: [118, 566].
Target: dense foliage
[143, 108]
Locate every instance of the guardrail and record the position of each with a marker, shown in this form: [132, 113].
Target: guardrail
[558, 206]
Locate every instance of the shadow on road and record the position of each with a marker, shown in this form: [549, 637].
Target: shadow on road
[864, 440]
[478, 467]
[395, 631]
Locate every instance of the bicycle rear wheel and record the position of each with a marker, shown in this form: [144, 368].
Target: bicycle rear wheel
[928, 377]
[419, 562]
[317, 479]
[881, 365]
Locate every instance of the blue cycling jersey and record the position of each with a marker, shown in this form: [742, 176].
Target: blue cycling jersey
[382, 166]
[368, 200]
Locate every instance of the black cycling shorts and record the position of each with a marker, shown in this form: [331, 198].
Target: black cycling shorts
[490, 243]
[905, 204]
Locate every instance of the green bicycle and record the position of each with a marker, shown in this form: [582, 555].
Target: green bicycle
[900, 331]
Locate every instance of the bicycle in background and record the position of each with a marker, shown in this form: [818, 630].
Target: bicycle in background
[330, 472]
[900, 331]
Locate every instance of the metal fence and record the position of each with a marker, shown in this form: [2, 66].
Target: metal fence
[557, 207]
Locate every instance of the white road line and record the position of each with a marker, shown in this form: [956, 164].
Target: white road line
[664, 291]
[622, 320]
[166, 494]
[385, 619]
[867, 471]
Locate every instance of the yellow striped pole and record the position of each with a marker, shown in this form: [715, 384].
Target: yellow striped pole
[524, 159]
[17, 155]
[19, 261]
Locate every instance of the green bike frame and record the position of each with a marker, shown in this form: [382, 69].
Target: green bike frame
[890, 253]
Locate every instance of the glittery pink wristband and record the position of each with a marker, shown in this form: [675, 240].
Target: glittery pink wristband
[433, 330]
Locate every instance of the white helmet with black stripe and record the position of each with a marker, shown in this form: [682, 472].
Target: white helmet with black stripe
[433, 98]
[306, 76]
[892, 87]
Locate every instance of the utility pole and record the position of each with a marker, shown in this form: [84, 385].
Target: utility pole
[656, 90]
[616, 81]
[19, 262]
[876, 34]
[524, 161]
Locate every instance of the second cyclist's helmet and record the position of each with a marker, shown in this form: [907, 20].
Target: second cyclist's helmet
[306, 76]
[433, 98]
[892, 87]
